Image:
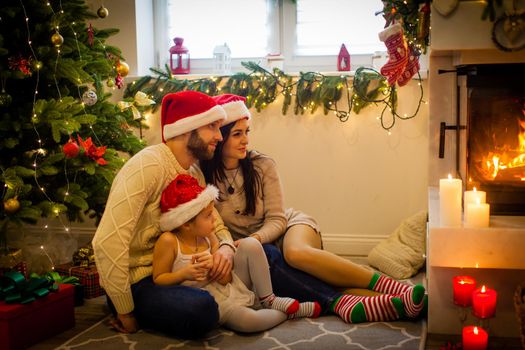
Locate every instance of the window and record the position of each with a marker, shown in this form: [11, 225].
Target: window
[308, 33]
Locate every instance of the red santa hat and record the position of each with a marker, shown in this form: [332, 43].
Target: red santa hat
[182, 200]
[234, 106]
[186, 111]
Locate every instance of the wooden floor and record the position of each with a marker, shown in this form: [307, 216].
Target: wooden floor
[95, 309]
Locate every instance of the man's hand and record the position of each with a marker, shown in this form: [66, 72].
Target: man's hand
[125, 323]
[222, 263]
[204, 257]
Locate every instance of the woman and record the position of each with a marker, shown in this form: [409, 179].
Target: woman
[251, 205]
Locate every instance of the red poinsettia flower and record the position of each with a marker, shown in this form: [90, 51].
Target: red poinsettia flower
[92, 151]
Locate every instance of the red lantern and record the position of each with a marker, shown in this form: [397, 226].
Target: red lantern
[179, 58]
[343, 59]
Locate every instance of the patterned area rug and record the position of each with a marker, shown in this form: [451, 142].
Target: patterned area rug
[326, 333]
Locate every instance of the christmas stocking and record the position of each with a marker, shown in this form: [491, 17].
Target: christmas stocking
[397, 53]
[411, 68]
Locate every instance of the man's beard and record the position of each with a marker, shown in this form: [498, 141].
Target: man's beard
[198, 148]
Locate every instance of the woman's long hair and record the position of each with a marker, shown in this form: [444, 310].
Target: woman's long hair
[214, 173]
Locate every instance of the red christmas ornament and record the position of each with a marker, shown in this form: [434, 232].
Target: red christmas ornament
[119, 81]
[71, 149]
[91, 35]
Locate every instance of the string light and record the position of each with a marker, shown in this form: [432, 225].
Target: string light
[42, 248]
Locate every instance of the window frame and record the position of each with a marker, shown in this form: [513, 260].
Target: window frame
[281, 40]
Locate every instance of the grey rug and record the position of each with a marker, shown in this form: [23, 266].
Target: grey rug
[325, 333]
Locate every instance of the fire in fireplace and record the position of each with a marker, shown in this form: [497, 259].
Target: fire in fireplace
[496, 135]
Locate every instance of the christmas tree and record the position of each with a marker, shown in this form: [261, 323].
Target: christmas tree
[61, 139]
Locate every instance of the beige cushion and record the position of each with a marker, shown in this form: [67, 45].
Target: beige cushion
[403, 253]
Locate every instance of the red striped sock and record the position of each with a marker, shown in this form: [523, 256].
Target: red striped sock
[413, 300]
[310, 309]
[383, 284]
[286, 305]
[357, 309]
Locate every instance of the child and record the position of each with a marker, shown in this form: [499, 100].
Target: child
[184, 256]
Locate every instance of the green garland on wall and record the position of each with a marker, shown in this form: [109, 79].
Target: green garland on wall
[310, 91]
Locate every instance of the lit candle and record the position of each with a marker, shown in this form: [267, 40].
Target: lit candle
[474, 338]
[475, 196]
[484, 302]
[450, 202]
[477, 214]
[463, 287]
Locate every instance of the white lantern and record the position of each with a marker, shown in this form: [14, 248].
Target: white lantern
[222, 59]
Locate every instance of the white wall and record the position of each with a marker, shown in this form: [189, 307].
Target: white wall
[354, 178]
[358, 181]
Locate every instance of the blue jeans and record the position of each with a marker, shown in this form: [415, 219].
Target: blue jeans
[178, 311]
[290, 282]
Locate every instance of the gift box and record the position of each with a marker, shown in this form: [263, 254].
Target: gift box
[20, 267]
[88, 277]
[22, 325]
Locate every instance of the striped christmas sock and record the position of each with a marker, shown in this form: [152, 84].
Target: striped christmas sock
[383, 284]
[286, 305]
[357, 309]
[413, 300]
[310, 309]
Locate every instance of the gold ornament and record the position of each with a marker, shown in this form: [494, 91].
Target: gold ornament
[57, 39]
[102, 12]
[123, 69]
[110, 83]
[11, 205]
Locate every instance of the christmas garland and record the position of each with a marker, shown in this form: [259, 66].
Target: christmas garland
[414, 16]
[308, 92]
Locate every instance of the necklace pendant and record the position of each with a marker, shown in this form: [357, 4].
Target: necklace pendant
[231, 190]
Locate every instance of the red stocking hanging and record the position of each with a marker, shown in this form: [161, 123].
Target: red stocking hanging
[397, 53]
[411, 68]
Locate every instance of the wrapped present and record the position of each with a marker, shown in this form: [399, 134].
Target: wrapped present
[58, 279]
[84, 256]
[88, 277]
[22, 325]
[20, 267]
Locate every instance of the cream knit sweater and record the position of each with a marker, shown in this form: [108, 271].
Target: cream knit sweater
[129, 228]
[269, 221]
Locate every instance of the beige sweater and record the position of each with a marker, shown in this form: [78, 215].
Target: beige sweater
[269, 221]
[129, 228]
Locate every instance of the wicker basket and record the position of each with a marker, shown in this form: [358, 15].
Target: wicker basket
[519, 304]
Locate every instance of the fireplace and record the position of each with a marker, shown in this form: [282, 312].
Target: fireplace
[495, 135]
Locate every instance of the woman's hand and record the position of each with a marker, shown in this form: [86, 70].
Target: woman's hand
[255, 235]
[125, 323]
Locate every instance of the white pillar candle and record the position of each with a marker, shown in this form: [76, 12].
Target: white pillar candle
[450, 202]
[477, 215]
[474, 196]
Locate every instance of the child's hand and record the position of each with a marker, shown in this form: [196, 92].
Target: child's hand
[204, 257]
[196, 271]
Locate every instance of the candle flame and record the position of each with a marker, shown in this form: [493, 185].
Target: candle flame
[476, 330]
[462, 282]
[474, 189]
[483, 290]
[449, 177]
